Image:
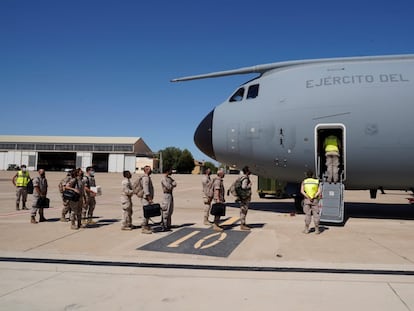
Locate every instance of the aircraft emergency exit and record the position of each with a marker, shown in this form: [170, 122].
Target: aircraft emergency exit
[276, 122]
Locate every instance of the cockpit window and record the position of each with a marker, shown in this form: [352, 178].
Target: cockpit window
[253, 91]
[238, 95]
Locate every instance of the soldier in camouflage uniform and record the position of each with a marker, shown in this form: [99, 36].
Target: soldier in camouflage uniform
[245, 198]
[167, 205]
[75, 183]
[205, 181]
[89, 197]
[66, 208]
[39, 191]
[126, 201]
[148, 196]
[218, 197]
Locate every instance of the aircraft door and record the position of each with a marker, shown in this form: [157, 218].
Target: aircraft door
[323, 132]
[330, 138]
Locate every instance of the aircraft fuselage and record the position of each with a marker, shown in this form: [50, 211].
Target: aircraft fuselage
[274, 123]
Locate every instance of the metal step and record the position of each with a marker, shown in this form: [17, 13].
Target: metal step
[332, 202]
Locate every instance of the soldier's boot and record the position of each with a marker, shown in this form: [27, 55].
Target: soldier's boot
[42, 216]
[90, 221]
[33, 220]
[84, 219]
[306, 230]
[206, 221]
[73, 225]
[63, 218]
[82, 223]
[317, 230]
[17, 207]
[244, 227]
[146, 230]
[24, 206]
[217, 228]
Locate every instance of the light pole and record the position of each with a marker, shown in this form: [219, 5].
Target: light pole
[161, 169]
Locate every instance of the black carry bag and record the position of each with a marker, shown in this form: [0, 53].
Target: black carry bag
[152, 210]
[218, 209]
[71, 195]
[30, 187]
[43, 202]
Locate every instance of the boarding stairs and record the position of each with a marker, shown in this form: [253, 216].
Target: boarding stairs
[332, 202]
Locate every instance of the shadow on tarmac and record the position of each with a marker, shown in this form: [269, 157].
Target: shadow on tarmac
[352, 210]
[379, 211]
[274, 207]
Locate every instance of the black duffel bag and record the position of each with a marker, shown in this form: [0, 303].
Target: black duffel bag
[218, 209]
[152, 210]
[43, 202]
[71, 195]
[30, 187]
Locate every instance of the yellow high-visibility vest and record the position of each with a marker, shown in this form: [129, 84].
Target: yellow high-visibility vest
[22, 179]
[331, 144]
[311, 186]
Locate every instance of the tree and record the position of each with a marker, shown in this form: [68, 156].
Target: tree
[170, 157]
[211, 166]
[185, 163]
[174, 158]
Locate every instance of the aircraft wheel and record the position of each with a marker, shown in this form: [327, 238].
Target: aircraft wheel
[299, 204]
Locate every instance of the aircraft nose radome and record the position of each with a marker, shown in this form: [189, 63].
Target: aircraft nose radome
[203, 136]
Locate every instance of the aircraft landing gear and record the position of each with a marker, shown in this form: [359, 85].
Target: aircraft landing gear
[299, 203]
[373, 193]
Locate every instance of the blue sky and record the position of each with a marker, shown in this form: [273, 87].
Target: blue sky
[103, 68]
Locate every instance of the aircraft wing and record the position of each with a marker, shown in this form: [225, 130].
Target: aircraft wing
[266, 67]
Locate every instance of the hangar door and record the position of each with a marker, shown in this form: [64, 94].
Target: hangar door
[100, 162]
[56, 161]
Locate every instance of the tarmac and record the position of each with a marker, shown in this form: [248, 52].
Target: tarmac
[365, 264]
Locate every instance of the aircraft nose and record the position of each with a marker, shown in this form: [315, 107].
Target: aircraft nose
[203, 136]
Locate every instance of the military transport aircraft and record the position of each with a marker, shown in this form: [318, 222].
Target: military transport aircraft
[276, 122]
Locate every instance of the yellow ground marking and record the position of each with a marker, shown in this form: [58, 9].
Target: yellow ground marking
[230, 221]
[188, 236]
[223, 235]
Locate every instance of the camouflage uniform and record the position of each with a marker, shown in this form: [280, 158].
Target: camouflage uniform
[311, 190]
[167, 205]
[205, 181]
[246, 186]
[76, 207]
[89, 199]
[20, 180]
[66, 208]
[147, 199]
[331, 145]
[126, 203]
[218, 198]
[39, 183]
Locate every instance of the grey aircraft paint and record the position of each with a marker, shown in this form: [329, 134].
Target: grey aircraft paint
[275, 122]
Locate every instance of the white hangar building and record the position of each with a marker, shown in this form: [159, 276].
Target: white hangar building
[58, 153]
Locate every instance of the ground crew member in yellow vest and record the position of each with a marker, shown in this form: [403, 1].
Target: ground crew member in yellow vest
[311, 191]
[20, 181]
[332, 145]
